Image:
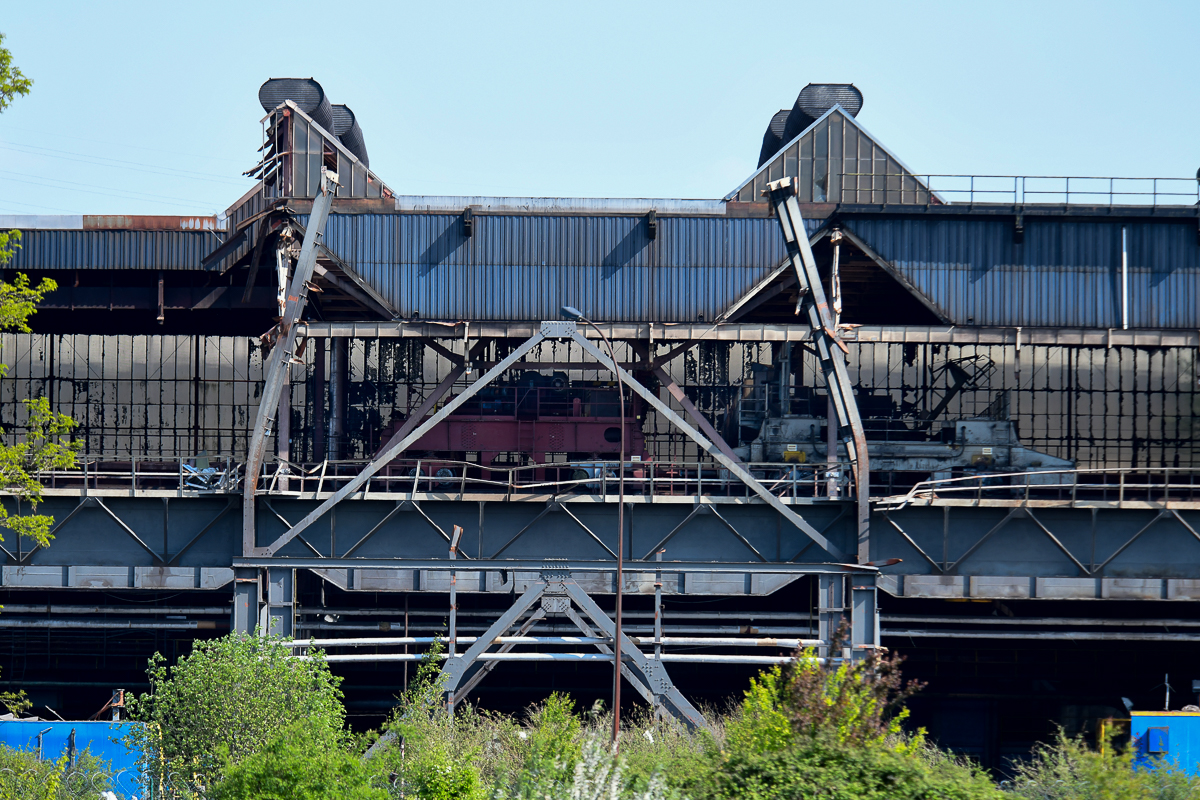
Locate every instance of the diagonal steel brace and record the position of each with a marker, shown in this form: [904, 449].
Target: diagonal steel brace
[396, 448]
[735, 468]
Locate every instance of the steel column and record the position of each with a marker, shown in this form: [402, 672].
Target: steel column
[830, 350]
[277, 369]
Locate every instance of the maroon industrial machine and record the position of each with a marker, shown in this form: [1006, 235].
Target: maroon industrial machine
[529, 419]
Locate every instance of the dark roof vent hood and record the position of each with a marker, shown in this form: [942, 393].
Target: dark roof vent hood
[304, 92]
[345, 127]
[813, 101]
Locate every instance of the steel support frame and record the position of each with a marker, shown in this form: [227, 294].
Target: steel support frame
[554, 595]
[283, 353]
[830, 350]
[558, 330]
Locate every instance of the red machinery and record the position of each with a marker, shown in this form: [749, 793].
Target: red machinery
[523, 421]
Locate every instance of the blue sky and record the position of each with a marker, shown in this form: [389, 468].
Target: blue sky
[151, 108]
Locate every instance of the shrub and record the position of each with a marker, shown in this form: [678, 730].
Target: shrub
[226, 700]
[24, 777]
[299, 763]
[1068, 769]
[832, 730]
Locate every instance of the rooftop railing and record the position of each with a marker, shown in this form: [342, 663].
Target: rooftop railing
[1055, 189]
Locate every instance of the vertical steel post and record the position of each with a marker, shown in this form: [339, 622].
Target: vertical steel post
[658, 606]
[318, 400]
[283, 435]
[244, 616]
[338, 374]
[864, 616]
[1124, 279]
[831, 602]
[454, 540]
[281, 602]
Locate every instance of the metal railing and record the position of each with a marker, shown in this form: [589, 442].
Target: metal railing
[193, 474]
[1054, 189]
[1127, 485]
[592, 477]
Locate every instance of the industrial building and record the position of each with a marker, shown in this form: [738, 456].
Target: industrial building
[957, 412]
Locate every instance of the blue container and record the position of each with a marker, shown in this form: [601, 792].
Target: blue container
[102, 740]
[1171, 738]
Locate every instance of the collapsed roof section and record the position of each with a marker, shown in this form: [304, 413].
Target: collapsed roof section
[837, 161]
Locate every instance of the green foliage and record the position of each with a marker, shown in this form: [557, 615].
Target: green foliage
[18, 300]
[227, 700]
[12, 81]
[298, 764]
[1070, 770]
[24, 777]
[832, 730]
[47, 446]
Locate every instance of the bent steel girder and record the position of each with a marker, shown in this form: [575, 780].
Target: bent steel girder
[709, 447]
[395, 449]
[282, 354]
[830, 350]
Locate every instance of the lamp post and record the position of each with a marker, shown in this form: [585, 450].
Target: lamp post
[576, 314]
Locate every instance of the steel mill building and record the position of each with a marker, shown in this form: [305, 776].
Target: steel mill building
[851, 407]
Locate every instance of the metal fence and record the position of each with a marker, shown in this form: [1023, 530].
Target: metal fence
[1063, 190]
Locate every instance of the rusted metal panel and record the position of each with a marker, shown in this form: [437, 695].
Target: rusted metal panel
[1065, 272]
[96, 222]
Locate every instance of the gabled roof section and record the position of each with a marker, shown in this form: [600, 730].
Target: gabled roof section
[837, 161]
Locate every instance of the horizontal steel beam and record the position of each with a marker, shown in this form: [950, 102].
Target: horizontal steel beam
[564, 566]
[761, 332]
[686, 658]
[681, 641]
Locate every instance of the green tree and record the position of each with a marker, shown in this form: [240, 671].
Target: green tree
[48, 444]
[12, 83]
[226, 700]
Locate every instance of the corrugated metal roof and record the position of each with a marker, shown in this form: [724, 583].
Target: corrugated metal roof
[1067, 272]
[88, 249]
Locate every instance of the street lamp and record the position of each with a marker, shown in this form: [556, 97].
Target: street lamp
[576, 314]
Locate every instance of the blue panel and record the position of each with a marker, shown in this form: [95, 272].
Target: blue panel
[102, 739]
[1066, 273]
[520, 267]
[74, 249]
[1167, 738]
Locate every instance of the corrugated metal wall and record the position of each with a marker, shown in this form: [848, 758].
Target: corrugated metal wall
[1066, 273]
[166, 250]
[525, 267]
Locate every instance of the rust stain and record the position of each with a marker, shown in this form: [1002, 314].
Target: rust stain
[127, 222]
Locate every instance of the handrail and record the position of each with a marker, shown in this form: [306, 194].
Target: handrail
[410, 477]
[1095, 483]
[1102, 190]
